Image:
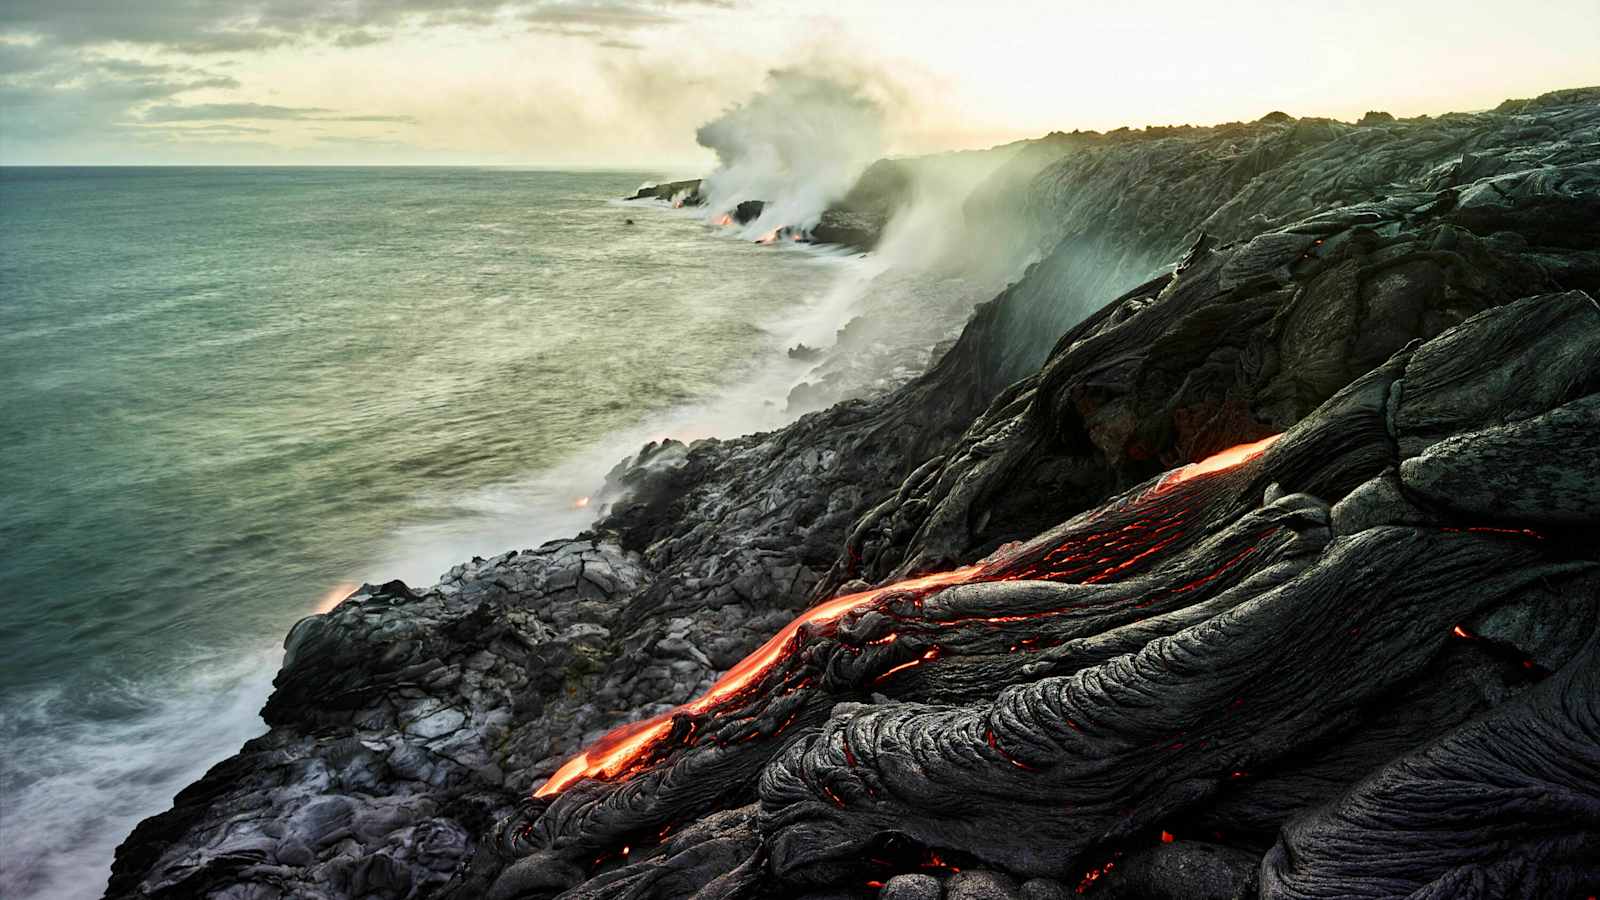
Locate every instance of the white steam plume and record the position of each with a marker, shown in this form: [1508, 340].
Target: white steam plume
[799, 144]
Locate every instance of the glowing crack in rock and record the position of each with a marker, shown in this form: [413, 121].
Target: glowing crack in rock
[629, 748]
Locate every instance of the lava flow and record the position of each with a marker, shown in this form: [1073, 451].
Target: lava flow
[618, 751]
[1216, 462]
[629, 748]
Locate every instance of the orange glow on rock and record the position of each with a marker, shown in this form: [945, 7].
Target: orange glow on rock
[610, 756]
[1216, 462]
[617, 752]
[629, 748]
[757, 663]
[335, 595]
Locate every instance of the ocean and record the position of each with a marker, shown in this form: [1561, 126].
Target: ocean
[232, 394]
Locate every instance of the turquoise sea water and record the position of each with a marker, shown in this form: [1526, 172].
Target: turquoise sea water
[224, 392]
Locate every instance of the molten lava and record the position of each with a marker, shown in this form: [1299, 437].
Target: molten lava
[335, 596]
[1216, 462]
[630, 748]
[621, 749]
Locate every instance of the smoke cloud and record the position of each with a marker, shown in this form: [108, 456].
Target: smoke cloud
[799, 144]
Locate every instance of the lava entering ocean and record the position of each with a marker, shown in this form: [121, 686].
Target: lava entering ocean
[1097, 557]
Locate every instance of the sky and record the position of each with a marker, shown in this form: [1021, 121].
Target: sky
[625, 83]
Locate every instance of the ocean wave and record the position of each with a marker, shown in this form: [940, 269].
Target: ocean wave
[84, 764]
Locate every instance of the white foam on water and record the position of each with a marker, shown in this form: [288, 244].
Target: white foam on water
[559, 502]
[917, 289]
[75, 785]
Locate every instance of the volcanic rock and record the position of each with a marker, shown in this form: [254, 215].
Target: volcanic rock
[1043, 889]
[911, 887]
[690, 189]
[980, 885]
[748, 211]
[1261, 509]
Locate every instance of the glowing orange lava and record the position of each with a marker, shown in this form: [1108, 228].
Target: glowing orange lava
[628, 748]
[619, 750]
[581, 503]
[335, 595]
[724, 219]
[1216, 462]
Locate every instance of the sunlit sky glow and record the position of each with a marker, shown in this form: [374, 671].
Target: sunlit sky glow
[625, 82]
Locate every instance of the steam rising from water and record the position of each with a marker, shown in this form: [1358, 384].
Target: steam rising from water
[799, 145]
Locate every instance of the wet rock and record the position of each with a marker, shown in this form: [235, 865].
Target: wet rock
[390, 708]
[670, 190]
[748, 211]
[849, 228]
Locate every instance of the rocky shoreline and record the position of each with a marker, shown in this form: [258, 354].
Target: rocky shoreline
[1359, 659]
[856, 222]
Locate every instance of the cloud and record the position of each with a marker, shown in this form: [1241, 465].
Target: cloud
[76, 70]
[203, 111]
[200, 112]
[56, 99]
[190, 130]
[50, 92]
[595, 19]
[353, 141]
[235, 26]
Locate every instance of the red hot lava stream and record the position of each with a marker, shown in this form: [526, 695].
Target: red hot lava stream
[1216, 462]
[615, 753]
[620, 752]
